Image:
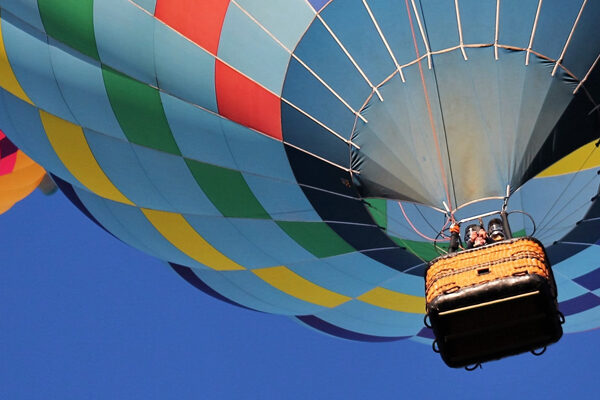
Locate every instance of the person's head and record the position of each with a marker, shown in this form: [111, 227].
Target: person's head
[496, 230]
[472, 232]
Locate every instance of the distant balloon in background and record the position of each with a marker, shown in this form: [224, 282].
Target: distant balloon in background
[19, 175]
[295, 157]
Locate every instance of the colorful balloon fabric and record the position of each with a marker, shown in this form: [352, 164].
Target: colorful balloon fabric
[293, 156]
[19, 174]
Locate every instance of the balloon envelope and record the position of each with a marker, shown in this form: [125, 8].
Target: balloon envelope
[262, 148]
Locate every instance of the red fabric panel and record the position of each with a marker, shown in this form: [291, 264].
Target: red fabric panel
[198, 20]
[246, 102]
[7, 164]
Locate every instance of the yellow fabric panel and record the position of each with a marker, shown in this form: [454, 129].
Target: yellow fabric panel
[576, 161]
[8, 80]
[396, 301]
[72, 148]
[181, 234]
[293, 284]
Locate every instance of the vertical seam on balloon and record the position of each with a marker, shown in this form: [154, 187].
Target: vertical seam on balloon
[564, 50]
[385, 42]
[347, 53]
[535, 22]
[460, 34]
[497, 33]
[429, 111]
[425, 41]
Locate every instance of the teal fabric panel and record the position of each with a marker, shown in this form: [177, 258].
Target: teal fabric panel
[183, 68]
[251, 51]
[29, 57]
[130, 48]
[25, 10]
[81, 84]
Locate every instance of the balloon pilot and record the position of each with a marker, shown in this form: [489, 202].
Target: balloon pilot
[476, 235]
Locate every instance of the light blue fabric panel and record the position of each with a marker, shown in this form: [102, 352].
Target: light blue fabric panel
[183, 68]
[270, 238]
[580, 264]
[244, 287]
[582, 321]
[406, 283]
[25, 10]
[286, 20]
[554, 25]
[173, 179]
[102, 208]
[360, 38]
[362, 267]
[29, 57]
[361, 317]
[439, 19]
[324, 275]
[21, 123]
[579, 56]
[398, 226]
[128, 222]
[198, 133]
[148, 5]
[257, 154]
[116, 157]
[393, 19]
[250, 50]
[478, 20]
[282, 200]
[516, 22]
[125, 39]
[224, 236]
[567, 289]
[324, 56]
[305, 92]
[82, 86]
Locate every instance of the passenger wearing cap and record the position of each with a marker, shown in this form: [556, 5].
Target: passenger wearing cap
[496, 230]
[476, 236]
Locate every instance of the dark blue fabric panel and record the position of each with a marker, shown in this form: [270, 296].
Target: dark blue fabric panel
[333, 330]
[560, 251]
[303, 90]
[333, 207]
[306, 134]
[579, 304]
[324, 56]
[584, 232]
[317, 4]
[191, 278]
[591, 280]
[594, 211]
[360, 38]
[478, 20]
[555, 22]
[439, 19]
[426, 333]
[585, 43]
[363, 237]
[398, 259]
[311, 171]
[516, 22]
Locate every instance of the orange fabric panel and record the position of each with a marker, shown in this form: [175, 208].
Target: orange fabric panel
[23, 180]
[199, 21]
[246, 102]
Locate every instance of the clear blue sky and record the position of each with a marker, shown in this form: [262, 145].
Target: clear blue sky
[83, 316]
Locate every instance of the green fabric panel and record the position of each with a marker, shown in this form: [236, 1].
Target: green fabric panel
[71, 22]
[423, 250]
[316, 237]
[378, 210]
[519, 233]
[227, 190]
[139, 110]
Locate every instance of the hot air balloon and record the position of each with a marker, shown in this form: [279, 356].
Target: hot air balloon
[298, 157]
[19, 175]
